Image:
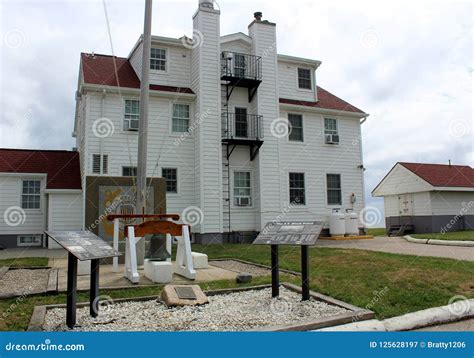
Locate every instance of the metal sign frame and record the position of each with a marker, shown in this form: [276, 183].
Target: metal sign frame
[65, 239]
[297, 233]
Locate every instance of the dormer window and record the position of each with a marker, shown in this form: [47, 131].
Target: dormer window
[304, 78]
[158, 59]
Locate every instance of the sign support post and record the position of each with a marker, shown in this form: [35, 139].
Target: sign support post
[305, 272]
[71, 290]
[275, 272]
[94, 288]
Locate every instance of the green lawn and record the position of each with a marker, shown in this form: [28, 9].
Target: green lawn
[378, 231]
[411, 283]
[26, 261]
[389, 284]
[467, 235]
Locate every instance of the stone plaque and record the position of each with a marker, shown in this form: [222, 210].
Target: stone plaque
[185, 293]
[290, 233]
[83, 244]
[174, 295]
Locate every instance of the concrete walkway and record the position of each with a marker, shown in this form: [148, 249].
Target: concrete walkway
[396, 245]
[399, 245]
[462, 326]
[32, 252]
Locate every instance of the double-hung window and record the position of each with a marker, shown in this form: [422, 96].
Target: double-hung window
[331, 134]
[304, 78]
[180, 118]
[330, 126]
[297, 189]
[131, 115]
[334, 192]
[30, 194]
[295, 127]
[158, 59]
[171, 177]
[242, 189]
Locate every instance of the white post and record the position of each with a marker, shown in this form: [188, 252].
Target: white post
[116, 244]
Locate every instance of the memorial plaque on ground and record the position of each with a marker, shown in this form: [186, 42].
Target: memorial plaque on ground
[290, 233]
[83, 244]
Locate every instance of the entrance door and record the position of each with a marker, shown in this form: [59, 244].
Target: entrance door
[241, 124]
[405, 204]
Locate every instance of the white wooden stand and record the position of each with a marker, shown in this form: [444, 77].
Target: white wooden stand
[184, 260]
[131, 268]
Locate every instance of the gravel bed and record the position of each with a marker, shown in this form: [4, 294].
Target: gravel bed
[23, 282]
[230, 312]
[237, 266]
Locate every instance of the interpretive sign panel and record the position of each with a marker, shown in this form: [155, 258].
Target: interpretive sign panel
[290, 233]
[83, 244]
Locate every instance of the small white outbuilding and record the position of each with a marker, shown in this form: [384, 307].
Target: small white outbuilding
[425, 198]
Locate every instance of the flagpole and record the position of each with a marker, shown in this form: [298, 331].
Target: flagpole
[143, 124]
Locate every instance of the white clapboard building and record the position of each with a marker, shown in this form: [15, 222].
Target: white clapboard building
[220, 109]
[425, 198]
[243, 135]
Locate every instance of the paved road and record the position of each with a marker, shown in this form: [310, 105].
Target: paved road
[401, 246]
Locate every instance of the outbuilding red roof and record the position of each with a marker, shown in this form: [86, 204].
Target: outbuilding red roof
[60, 166]
[442, 175]
[325, 100]
[117, 72]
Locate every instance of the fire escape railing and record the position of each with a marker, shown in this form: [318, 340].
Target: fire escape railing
[241, 65]
[242, 126]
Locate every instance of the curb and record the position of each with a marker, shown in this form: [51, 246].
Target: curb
[439, 242]
[410, 321]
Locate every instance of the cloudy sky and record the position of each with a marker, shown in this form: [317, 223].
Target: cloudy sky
[408, 64]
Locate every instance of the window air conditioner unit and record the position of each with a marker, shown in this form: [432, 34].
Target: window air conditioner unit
[133, 125]
[243, 201]
[332, 139]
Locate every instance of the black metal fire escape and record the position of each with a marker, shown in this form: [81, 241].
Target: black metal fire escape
[240, 128]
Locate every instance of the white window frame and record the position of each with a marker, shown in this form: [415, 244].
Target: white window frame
[27, 194]
[101, 169]
[305, 191]
[177, 181]
[311, 89]
[302, 126]
[233, 196]
[166, 60]
[19, 243]
[333, 131]
[127, 120]
[175, 133]
[326, 190]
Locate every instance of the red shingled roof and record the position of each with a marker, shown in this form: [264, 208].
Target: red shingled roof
[100, 70]
[443, 175]
[326, 100]
[61, 166]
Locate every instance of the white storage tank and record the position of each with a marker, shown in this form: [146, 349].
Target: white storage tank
[337, 223]
[352, 223]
